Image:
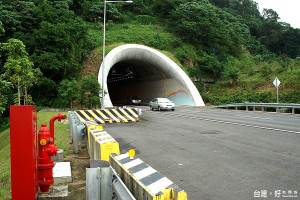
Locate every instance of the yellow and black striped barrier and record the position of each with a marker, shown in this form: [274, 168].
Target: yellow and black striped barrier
[101, 144]
[143, 181]
[102, 116]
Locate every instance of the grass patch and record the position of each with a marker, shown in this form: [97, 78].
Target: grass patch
[150, 35]
[5, 180]
[62, 140]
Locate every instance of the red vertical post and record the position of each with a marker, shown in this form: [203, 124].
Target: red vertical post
[23, 149]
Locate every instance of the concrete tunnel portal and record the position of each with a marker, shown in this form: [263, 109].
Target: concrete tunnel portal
[137, 70]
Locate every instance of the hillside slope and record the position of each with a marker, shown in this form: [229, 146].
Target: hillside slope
[244, 79]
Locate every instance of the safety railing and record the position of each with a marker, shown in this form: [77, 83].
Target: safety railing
[261, 105]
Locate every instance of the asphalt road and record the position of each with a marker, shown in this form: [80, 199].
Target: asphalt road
[219, 154]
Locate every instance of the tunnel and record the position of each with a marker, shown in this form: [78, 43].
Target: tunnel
[143, 72]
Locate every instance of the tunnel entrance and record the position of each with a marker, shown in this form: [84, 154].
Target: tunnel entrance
[137, 70]
[127, 78]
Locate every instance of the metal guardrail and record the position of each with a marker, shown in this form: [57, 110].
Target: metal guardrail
[103, 183]
[120, 190]
[262, 105]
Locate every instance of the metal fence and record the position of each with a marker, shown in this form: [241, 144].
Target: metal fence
[261, 105]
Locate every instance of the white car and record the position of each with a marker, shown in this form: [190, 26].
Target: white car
[162, 104]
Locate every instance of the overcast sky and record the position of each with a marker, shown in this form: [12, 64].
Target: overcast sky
[288, 10]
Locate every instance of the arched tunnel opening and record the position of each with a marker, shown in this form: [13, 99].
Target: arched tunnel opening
[137, 70]
[135, 78]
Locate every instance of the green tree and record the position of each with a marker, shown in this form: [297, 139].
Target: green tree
[1, 33]
[210, 66]
[57, 45]
[164, 8]
[93, 11]
[271, 31]
[289, 42]
[4, 85]
[248, 10]
[60, 49]
[18, 68]
[90, 90]
[270, 14]
[141, 7]
[231, 71]
[69, 91]
[200, 24]
[220, 3]
[1, 28]
[245, 8]
[30, 79]
[11, 21]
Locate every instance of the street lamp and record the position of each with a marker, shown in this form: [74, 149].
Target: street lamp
[102, 105]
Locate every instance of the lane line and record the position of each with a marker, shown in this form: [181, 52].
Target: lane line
[232, 123]
[245, 116]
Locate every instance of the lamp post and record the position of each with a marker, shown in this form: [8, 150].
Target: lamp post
[102, 105]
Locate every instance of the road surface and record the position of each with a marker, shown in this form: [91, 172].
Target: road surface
[219, 154]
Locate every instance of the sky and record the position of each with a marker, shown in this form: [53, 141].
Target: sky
[288, 10]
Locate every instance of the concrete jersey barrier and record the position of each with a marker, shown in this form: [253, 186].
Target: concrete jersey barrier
[143, 181]
[101, 144]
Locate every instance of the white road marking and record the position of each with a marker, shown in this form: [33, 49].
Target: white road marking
[232, 123]
[252, 117]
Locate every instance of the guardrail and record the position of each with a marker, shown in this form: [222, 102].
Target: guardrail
[262, 105]
[102, 182]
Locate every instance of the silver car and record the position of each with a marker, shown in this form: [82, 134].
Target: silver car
[162, 104]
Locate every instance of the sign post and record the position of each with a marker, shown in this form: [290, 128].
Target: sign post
[276, 82]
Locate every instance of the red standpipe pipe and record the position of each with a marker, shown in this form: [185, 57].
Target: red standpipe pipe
[55, 117]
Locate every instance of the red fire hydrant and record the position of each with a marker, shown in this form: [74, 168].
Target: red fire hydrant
[45, 164]
[52, 120]
[46, 150]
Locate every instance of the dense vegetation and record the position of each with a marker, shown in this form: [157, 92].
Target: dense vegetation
[228, 41]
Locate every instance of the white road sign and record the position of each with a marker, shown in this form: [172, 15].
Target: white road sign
[276, 82]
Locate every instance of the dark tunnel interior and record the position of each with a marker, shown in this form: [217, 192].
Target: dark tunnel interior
[126, 77]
